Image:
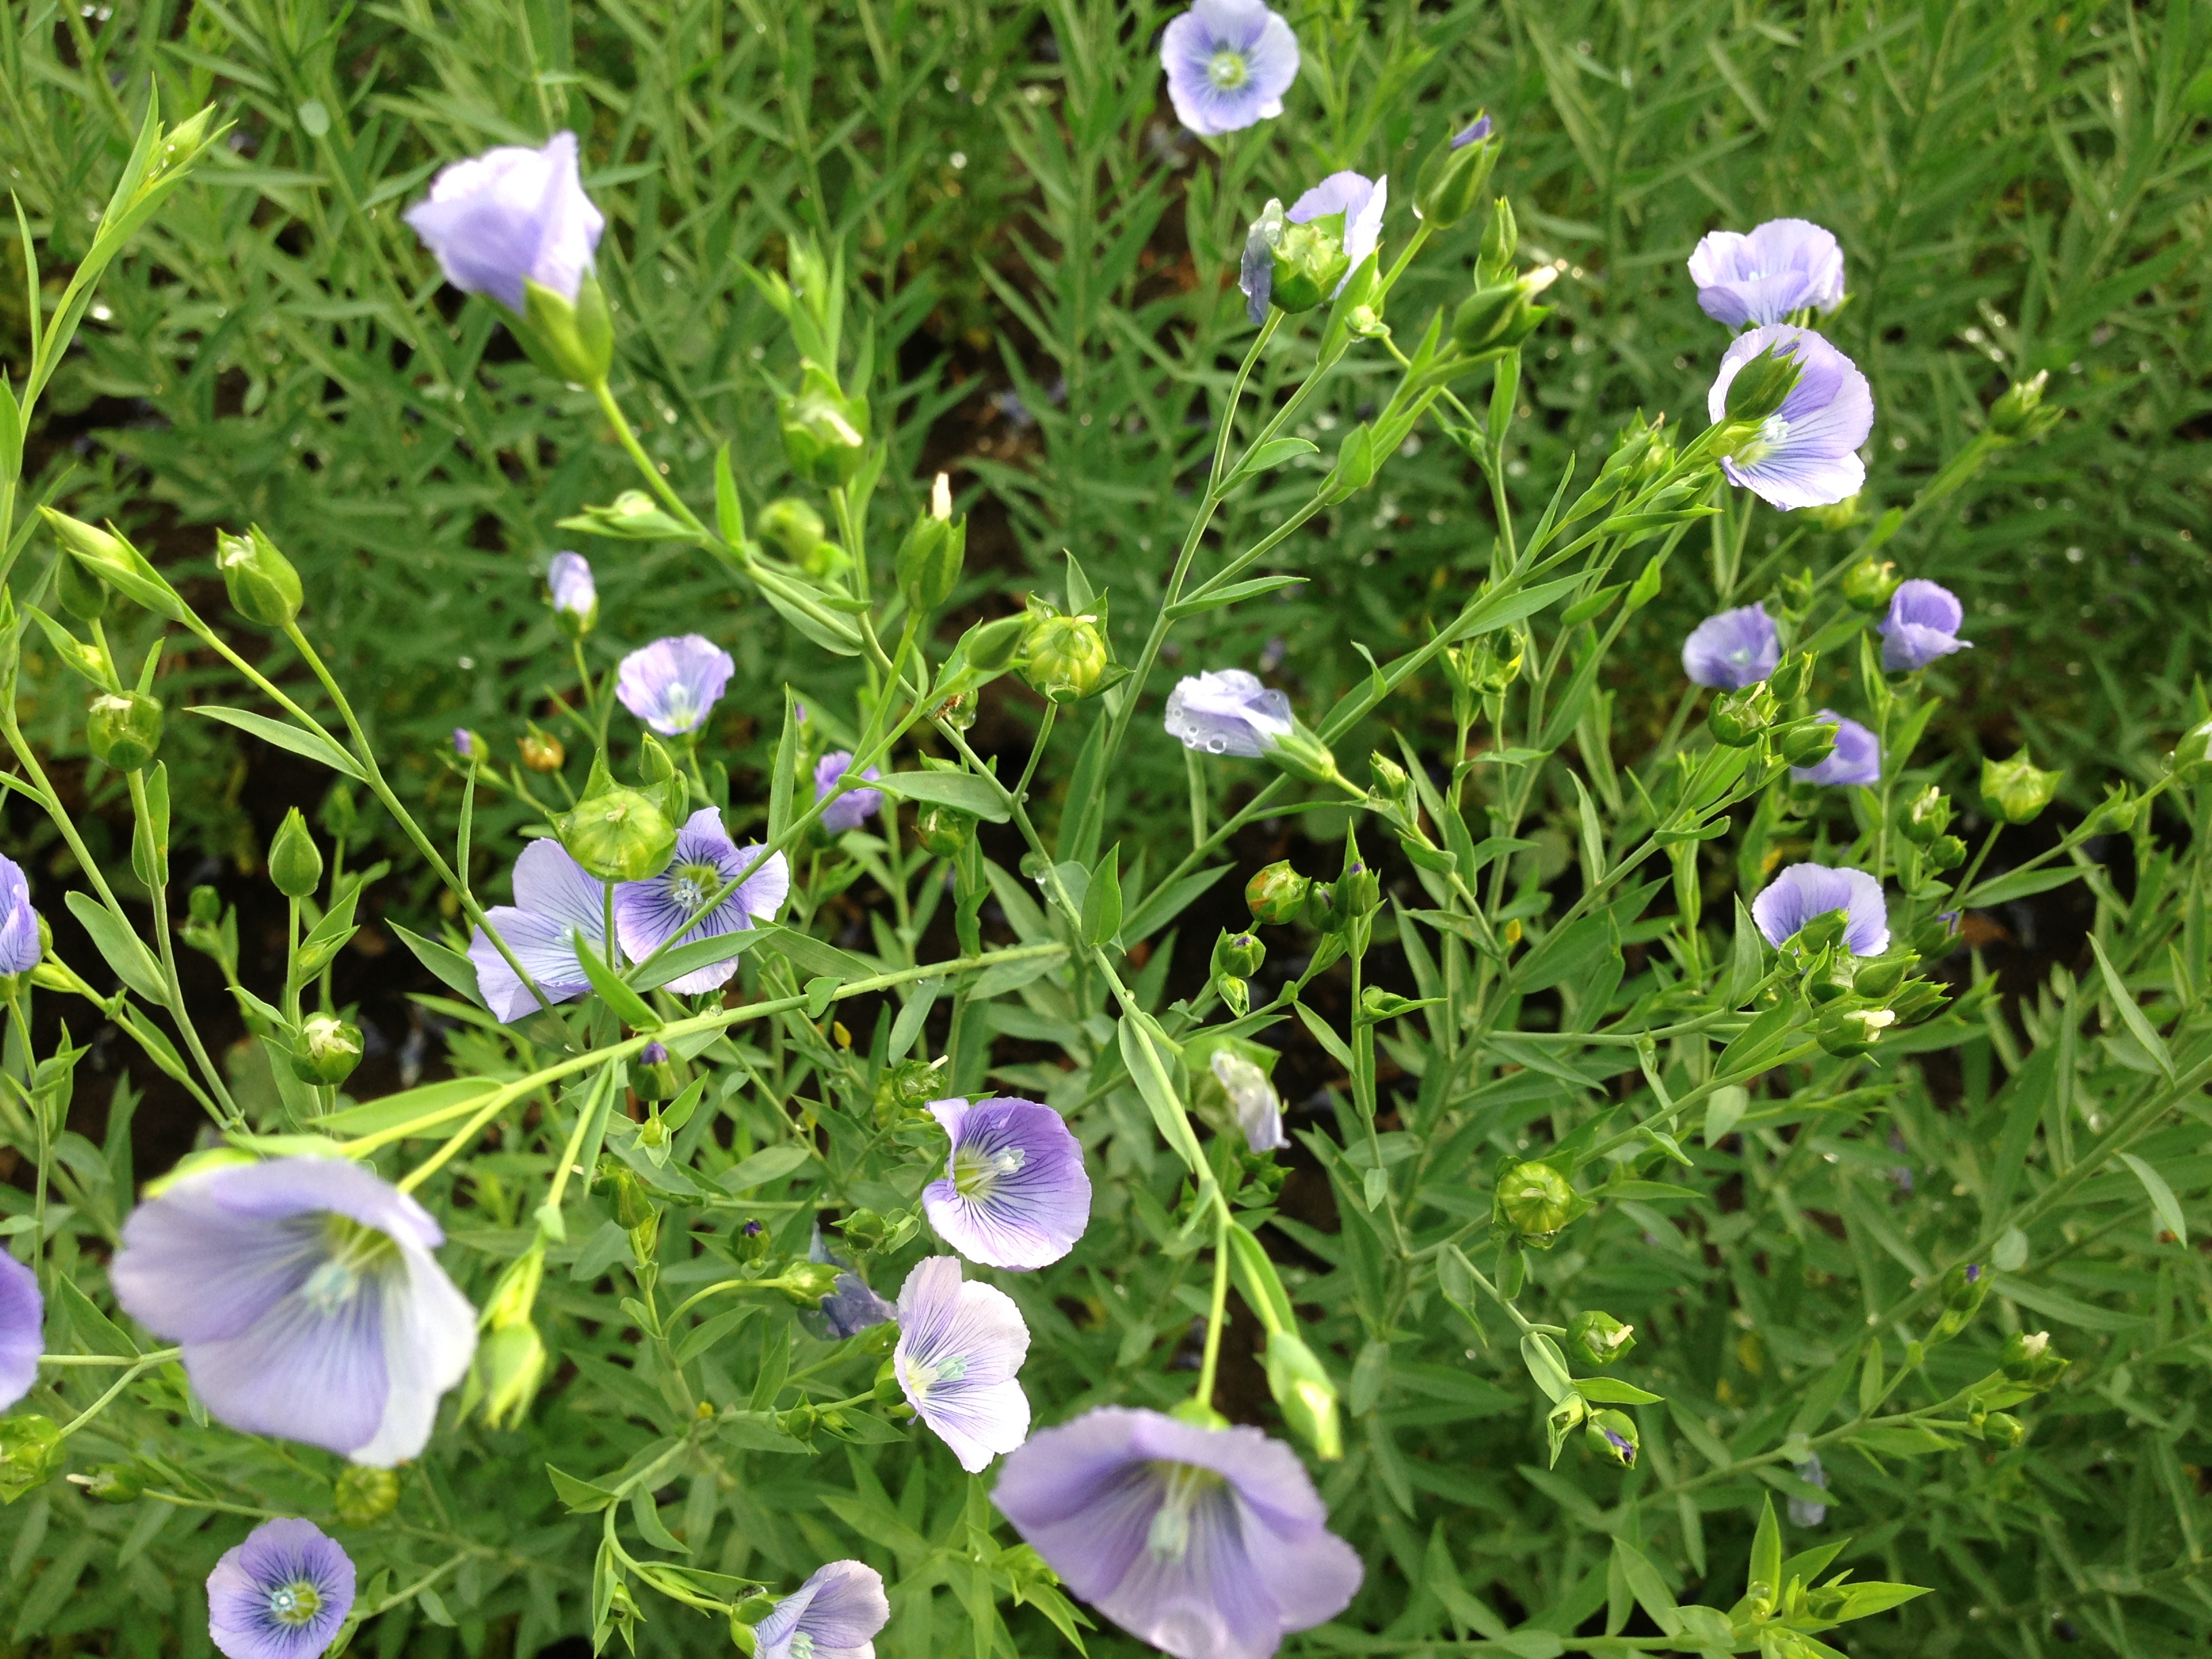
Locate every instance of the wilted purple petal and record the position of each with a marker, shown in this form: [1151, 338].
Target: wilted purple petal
[673, 683]
[307, 1301]
[20, 949]
[23, 1328]
[1804, 892]
[1781, 266]
[959, 1347]
[1209, 1544]
[1923, 624]
[1253, 1098]
[835, 1614]
[1228, 712]
[1014, 1193]
[1228, 63]
[511, 215]
[853, 808]
[1856, 757]
[281, 1595]
[1806, 453]
[649, 912]
[1734, 649]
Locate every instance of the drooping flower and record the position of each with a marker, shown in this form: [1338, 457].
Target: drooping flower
[1259, 1108]
[1761, 277]
[281, 1595]
[575, 593]
[1361, 201]
[960, 1346]
[1014, 1194]
[1923, 624]
[1228, 712]
[1207, 1543]
[307, 1301]
[835, 1614]
[20, 949]
[853, 808]
[555, 899]
[672, 684]
[23, 1327]
[1805, 454]
[1856, 757]
[650, 913]
[1734, 649]
[1804, 892]
[512, 215]
[1228, 63]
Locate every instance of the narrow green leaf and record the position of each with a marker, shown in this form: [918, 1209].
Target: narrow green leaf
[963, 790]
[2162, 1201]
[627, 1006]
[2140, 1028]
[314, 746]
[120, 946]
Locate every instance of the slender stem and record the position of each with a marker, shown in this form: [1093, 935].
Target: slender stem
[1215, 1318]
[144, 1363]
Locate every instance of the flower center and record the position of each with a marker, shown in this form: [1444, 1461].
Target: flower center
[354, 1252]
[1227, 69]
[294, 1604]
[921, 1376]
[802, 1645]
[1169, 1537]
[974, 1172]
[677, 708]
[692, 885]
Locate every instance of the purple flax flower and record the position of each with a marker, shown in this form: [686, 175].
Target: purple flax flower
[22, 1322]
[1804, 892]
[672, 683]
[281, 1595]
[1856, 757]
[1806, 454]
[512, 215]
[651, 912]
[851, 1307]
[1207, 1543]
[555, 898]
[959, 1347]
[466, 743]
[1228, 712]
[1781, 266]
[306, 1300]
[20, 949]
[1361, 201]
[1014, 1193]
[1923, 624]
[853, 808]
[1228, 63]
[1473, 134]
[1259, 1108]
[1734, 649]
[835, 1614]
[575, 594]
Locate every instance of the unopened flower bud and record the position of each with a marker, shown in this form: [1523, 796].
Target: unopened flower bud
[1066, 657]
[1927, 815]
[510, 1363]
[1946, 852]
[2017, 790]
[1880, 976]
[2003, 1431]
[806, 1283]
[1738, 717]
[542, 751]
[124, 729]
[84, 595]
[1867, 585]
[793, 526]
[1792, 678]
[2020, 414]
[1484, 668]
[1806, 743]
[1307, 261]
[929, 561]
[1964, 1286]
[1613, 1434]
[1276, 894]
[263, 587]
[654, 1077]
[1240, 954]
[751, 1243]
[992, 646]
[1501, 314]
[944, 831]
[825, 432]
[295, 864]
[1452, 179]
[618, 835]
[1852, 1030]
[363, 1496]
[30, 1453]
[1235, 994]
[1916, 1000]
[1535, 1200]
[112, 1483]
[1762, 385]
[329, 1049]
[1598, 1339]
[205, 906]
[1501, 241]
[1304, 1394]
[633, 1208]
[2191, 759]
[2031, 1359]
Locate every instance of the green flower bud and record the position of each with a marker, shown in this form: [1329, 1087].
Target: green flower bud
[1535, 1200]
[1500, 315]
[825, 432]
[205, 907]
[510, 1365]
[1613, 1434]
[904, 1091]
[1806, 743]
[929, 561]
[124, 729]
[1927, 815]
[1599, 1340]
[2032, 1360]
[991, 647]
[633, 1209]
[295, 864]
[864, 1230]
[1843, 1030]
[1483, 668]
[1235, 994]
[1835, 975]
[618, 835]
[1240, 954]
[806, 1283]
[1304, 1394]
[2003, 1431]
[1738, 717]
[1501, 241]
[944, 831]
[1358, 889]
[541, 751]
[364, 1495]
[1319, 911]
[263, 586]
[329, 1048]
[1762, 384]
[1452, 180]
[1916, 1000]
[2020, 414]
[752, 1243]
[1936, 937]
[1880, 976]
[1307, 261]
[2191, 759]
[1793, 678]
[792, 524]
[1964, 1286]
[2017, 790]
[1867, 585]
[653, 1076]
[84, 595]
[2120, 810]
[30, 1453]
[1067, 658]
[1946, 852]
[337, 814]
[112, 1483]
[1276, 894]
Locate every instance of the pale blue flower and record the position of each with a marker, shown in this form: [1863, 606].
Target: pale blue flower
[1856, 757]
[1228, 63]
[1733, 649]
[20, 949]
[1761, 277]
[673, 683]
[1923, 624]
[855, 807]
[555, 899]
[1804, 892]
[281, 1595]
[1228, 712]
[960, 1347]
[575, 595]
[650, 913]
[512, 215]
[1361, 199]
[835, 1614]
[22, 1326]
[1014, 1193]
[1805, 454]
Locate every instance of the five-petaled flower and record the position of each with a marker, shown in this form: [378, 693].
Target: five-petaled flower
[673, 683]
[1014, 1193]
[1856, 757]
[673, 904]
[960, 1345]
[281, 1595]
[1760, 276]
[1805, 891]
[1805, 453]
[1734, 649]
[835, 1614]
[1228, 63]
